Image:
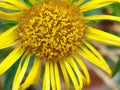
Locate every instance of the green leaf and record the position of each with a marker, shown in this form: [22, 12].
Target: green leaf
[38, 1]
[4, 53]
[10, 23]
[6, 24]
[91, 22]
[110, 62]
[10, 76]
[115, 7]
[28, 3]
[117, 67]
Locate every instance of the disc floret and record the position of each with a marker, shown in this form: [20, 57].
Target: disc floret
[52, 30]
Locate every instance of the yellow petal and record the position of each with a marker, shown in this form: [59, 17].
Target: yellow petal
[102, 37]
[52, 76]
[7, 32]
[71, 61]
[10, 16]
[67, 1]
[65, 75]
[78, 2]
[17, 3]
[103, 17]
[36, 80]
[94, 4]
[57, 77]
[8, 44]
[46, 80]
[33, 1]
[93, 56]
[8, 6]
[97, 54]
[9, 38]
[71, 74]
[83, 67]
[11, 59]
[22, 70]
[19, 68]
[32, 75]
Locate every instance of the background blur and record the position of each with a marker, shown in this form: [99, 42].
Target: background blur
[99, 80]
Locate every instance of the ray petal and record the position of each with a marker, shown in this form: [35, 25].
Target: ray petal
[102, 37]
[93, 56]
[73, 64]
[8, 44]
[98, 55]
[67, 0]
[19, 69]
[57, 77]
[103, 17]
[9, 31]
[46, 79]
[17, 3]
[32, 75]
[33, 2]
[20, 73]
[36, 80]
[8, 6]
[83, 67]
[71, 74]
[65, 75]
[78, 2]
[11, 59]
[9, 37]
[94, 4]
[52, 76]
[15, 16]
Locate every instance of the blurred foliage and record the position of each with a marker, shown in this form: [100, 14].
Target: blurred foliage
[4, 53]
[10, 76]
[28, 3]
[117, 67]
[5, 24]
[115, 8]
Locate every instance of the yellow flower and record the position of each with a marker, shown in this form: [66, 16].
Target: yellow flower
[56, 34]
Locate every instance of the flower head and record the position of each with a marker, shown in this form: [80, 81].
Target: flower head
[56, 34]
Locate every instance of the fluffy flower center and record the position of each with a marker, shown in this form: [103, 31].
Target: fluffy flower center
[52, 30]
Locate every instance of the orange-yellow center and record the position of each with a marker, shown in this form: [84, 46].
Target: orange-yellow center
[52, 30]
